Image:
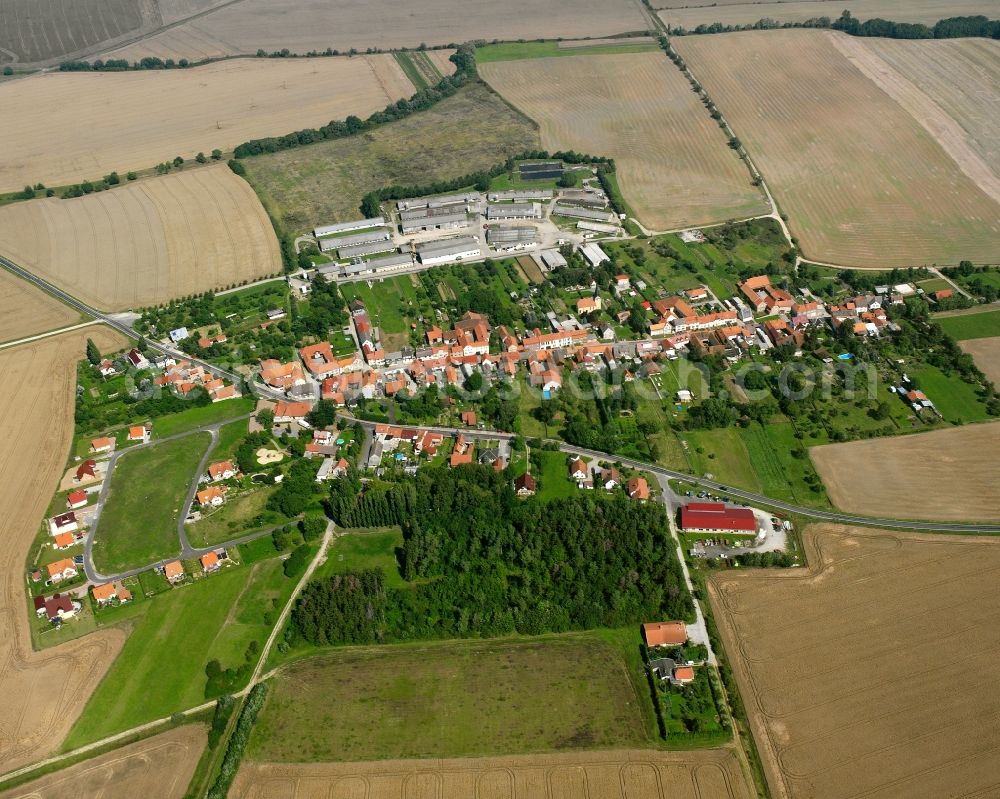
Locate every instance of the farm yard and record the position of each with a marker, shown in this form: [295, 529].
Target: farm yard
[179, 112]
[689, 14]
[159, 766]
[147, 242]
[954, 473]
[861, 181]
[25, 310]
[849, 671]
[316, 25]
[37, 403]
[673, 165]
[451, 700]
[986, 353]
[618, 774]
[326, 181]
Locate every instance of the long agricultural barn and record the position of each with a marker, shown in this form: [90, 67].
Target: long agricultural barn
[594, 254]
[512, 238]
[427, 213]
[583, 213]
[438, 222]
[520, 195]
[361, 250]
[596, 227]
[543, 171]
[346, 227]
[436, 202]
[715, 517]
[388, 263]
[552, 259]
[514, 211]
[446, 250]
[375, 234]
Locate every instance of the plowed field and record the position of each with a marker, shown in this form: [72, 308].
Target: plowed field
[628, 774]
[25, 311]
[986, 352]
[872, 673]
[146, 242]
[863, 183]
[135, 120]
[41, 693]
[674, 167]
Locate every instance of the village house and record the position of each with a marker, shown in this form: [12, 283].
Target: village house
[283, 376]
[61, 570]
[765, 298]
[668, 669]
[173, 571]
[63, 523]
[462, 453]
[58, 608]
[610, 479]
[223, 470]
[288, 412]
[211, 497]
[137, 359]
[86, 471]
[209, 341]
[578, 469]
[107, 368]
[108, 592]
[524, 486]
[138, 433]
[103, 444]
[665, 633]
[637, 488]
[64, 541]
[209, 562]
[76, 499]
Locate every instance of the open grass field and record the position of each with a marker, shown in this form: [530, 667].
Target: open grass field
[202, 415]
[138, 525]
[618, 774]
[986, 352]
[945, 475]
[326, 181]
[953, 91]
[304, 25]
[689, 14]
[554, 479]
[41, 693]
[178, 112]
[25, 310]
[450, 700]
[160, 766]
[40, 30]
[863, 183]
[162, 668]
[366, 549]
[965, 326]
[239, 516]
[673, 165]
[868, 674]
[147, 242]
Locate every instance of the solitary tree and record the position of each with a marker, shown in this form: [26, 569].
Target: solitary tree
[216, 155]
[200, 158]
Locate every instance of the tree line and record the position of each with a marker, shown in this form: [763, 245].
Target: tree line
[948, 28]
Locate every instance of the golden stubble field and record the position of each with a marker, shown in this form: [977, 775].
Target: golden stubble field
[863, 183]
[25, 311]
[41, 693]
[986, 352]
[134, 120]
[946, 475]
[873, 673]
[160, 767]
[304, 25]
[146, 242]
[673, 164]
[627, 774]
[690, 14]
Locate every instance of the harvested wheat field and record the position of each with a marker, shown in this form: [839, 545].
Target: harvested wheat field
[627, 774]
[862, 182]
[986, 353]
[161, 767]
[25, 311]
[134, 120]
[954, 472]
[41, 693]
[146, 242]
[741, 12]
[304, 25]
[674, 167]
[874, 672]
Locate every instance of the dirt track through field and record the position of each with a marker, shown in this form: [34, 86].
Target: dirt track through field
[304, 25]
[159, 767]
[873, 673]
[25, 311]
[945, 475]
[41, 693]
[135, 120]
[673, 165]
[627, 774]
[146, 242]
[986, 352]
[863, 184]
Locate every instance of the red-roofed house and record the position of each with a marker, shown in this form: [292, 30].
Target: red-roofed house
[665, 633]
[103, 444]
[64, 541]
[223, 470]
[637, 488]
[285, 412]
[210, 562]
[137, 433]
[86, 471]
[173, 571]
[63, 569]
[211, 497]
[76, 499]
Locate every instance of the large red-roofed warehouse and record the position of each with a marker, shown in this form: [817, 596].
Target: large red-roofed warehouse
[715, 517]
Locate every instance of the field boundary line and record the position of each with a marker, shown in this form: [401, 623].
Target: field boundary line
[47, 334]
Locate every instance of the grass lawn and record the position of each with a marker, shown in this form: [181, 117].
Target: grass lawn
[388, 302]
[366, 549]
[724, 456]
[161, 670]
[554, 481]
[200, 416]
[954, 398]
[326, 181]
[138, 525]
[934, 284]
[239, 516]
[230, 436]
[451, 699]
[966, 326]
[516, 51]
[783, 441]
[766, 462]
